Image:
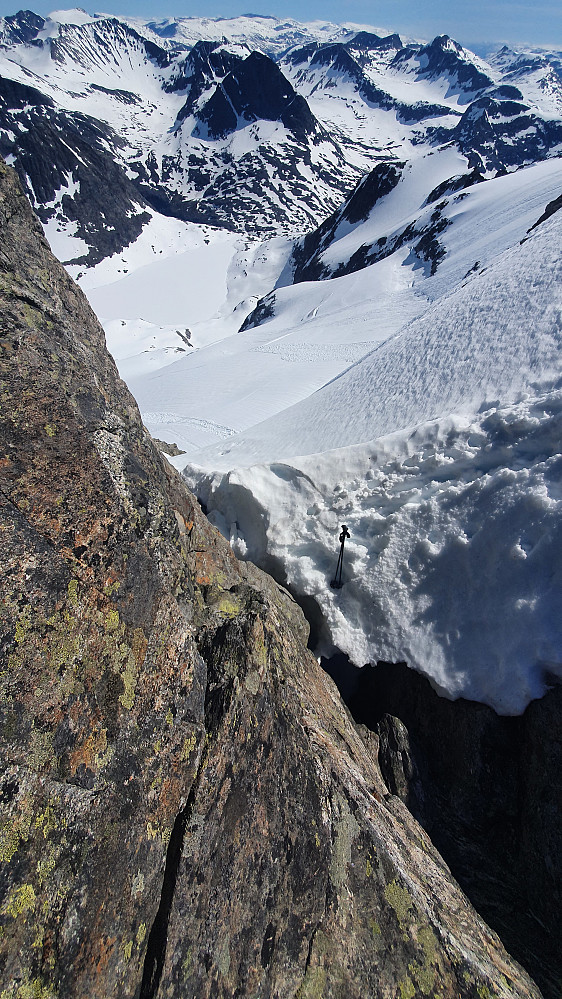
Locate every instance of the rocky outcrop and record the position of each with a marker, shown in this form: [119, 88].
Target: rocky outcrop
[444, 57]
[186, 807]
[307, 255]
[66, 161]
[498, 134]
[206, 63]
[256, 89]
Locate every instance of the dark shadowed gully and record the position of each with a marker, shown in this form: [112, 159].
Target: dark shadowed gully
[486, 788]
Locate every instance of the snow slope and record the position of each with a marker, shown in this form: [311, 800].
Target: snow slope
[453, 501]
[448, 225]
[177, 287]
[319, 328]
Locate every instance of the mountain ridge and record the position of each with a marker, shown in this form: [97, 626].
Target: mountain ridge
[190, 159]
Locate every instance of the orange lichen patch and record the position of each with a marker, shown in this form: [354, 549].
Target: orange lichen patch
[81, 539]
[89, 751]
[185, 667]
[104, 950]
[66, 552]
[185, 525]
[95, 530]
[169, 795]
[43, 519]
[5, 462]
[205, 568]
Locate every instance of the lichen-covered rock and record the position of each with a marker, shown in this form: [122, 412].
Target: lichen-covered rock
[186, 809]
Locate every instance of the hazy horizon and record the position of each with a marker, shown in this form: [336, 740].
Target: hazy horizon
[476, 26]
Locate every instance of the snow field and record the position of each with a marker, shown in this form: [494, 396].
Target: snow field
[455, 557]
[441, 451]
[251, 376]
[491, 339]
[321, 328]
[186, 287]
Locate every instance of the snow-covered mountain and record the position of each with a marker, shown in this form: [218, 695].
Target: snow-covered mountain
[253, 124]
[261, 33]
[245, 152]
[327, 262]
[182, 130]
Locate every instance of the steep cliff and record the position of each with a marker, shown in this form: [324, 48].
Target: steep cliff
[186, 807]
[487, 789]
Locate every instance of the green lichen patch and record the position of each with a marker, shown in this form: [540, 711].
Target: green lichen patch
[72, 593]
[313, 984]
[75, 642]
[228, 605]
[40, 750]
[20, 900]
[401, 901]
[371, 865]
[252, 682]
[424, 976]
[188, 746]
[406, 988]
[45, 868]
[111, 622]
[375, 929]
[30, 988]
[13, 832]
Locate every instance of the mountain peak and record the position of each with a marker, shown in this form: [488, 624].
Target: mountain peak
[368, 40]
[256, 89]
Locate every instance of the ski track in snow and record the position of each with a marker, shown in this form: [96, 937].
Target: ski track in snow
[295, 352]
[157, 419]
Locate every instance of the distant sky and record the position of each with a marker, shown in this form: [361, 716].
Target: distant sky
[474, 23]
